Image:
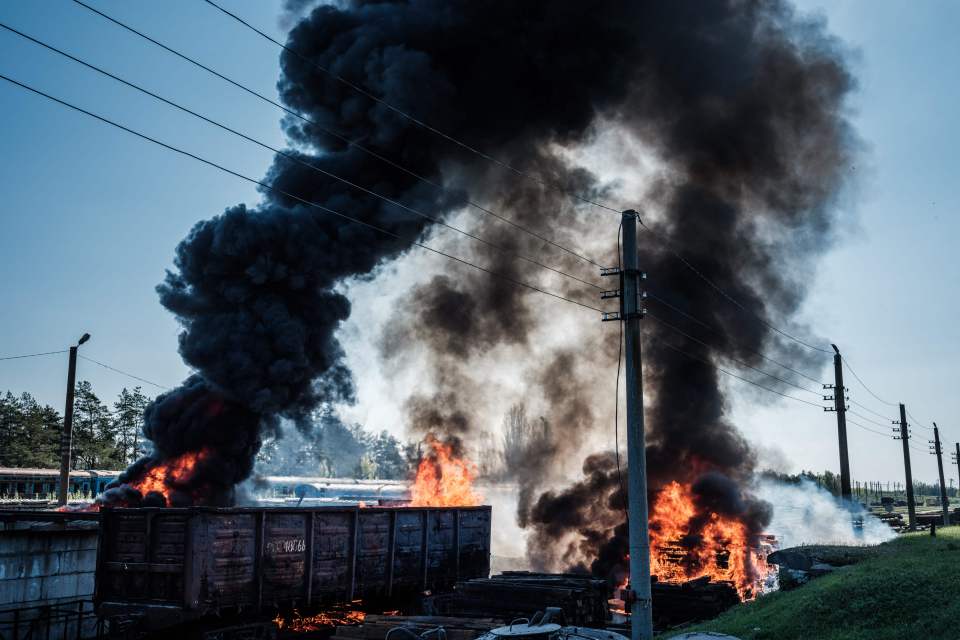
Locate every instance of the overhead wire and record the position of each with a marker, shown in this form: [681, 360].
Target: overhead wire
[866, 428]
[120, 371]
[676, 329]
[868, 409]
[846, 363]
[271, 188]
[734, 375]
[420, 123]
[915, 421]
[718, 332]
[330, 132]
[868, 419]
[297, 160]
[668, 244]
[33, 355]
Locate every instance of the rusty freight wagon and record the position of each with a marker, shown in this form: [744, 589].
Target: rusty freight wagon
[169, 566]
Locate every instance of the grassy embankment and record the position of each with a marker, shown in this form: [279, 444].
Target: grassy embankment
[903, 589]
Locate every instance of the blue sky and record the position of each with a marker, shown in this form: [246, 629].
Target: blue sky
[90, 216]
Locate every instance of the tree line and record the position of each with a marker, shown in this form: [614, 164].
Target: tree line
[104, 437]
[110, 437]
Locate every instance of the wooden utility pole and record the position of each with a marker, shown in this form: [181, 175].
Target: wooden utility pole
[938, 451]
[66, 437]
[904, 438]
[641, 611]
[839, 398]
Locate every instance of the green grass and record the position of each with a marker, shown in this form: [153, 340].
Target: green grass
[906, 588]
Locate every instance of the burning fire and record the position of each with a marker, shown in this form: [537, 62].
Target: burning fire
[721, 549]
[161, 478]
[323, 620]
[444, 479]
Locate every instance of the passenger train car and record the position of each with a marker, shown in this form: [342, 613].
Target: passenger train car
[31, 484]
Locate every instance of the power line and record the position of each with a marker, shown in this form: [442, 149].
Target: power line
[293, 197]
[115, 370]
[915, 421]
[295, 159]
[866, 428]
[868, 419]
[731, 374]
[668, 244]
[846, 363]
[420, 123]
[868, 409]
[338, 136]
[725, 335]
[33, 355]
[738, 361]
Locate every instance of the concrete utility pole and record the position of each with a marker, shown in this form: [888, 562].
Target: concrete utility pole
[904, 438]
[956, 461]
[641, 610]
[839, 398]
[938, 451]
[66, 437]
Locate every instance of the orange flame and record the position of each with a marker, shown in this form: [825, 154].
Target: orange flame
[163, 477]
[723, 552]
[323, 620]
[443, 479]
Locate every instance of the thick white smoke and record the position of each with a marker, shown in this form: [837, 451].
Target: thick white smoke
[806, 514]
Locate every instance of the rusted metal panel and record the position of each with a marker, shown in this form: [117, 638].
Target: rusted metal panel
[441, 561]
[372, 551]
[214, 561]
[332, 555]
[408, 550]
[227, 557]
[284, 557]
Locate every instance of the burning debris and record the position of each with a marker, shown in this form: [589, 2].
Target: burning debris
[298, 623]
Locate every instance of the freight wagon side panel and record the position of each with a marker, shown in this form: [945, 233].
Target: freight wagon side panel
[283, 572]
[223, 554]
[474, 544]
[441, 545]
[373, 547]
[142, 556]
[333, 555]
[408, 551]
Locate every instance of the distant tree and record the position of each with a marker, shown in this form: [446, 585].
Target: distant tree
[29, 432]
[128, 424]
[94, 435]
[366, 468]
[522, 438]
[386, 456]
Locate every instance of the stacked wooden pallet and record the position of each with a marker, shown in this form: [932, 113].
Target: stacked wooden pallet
[375, 627]
[521, 594]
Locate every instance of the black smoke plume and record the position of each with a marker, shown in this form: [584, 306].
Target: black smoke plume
[741, 104]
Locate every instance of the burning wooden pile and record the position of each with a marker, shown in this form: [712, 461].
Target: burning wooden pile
[688, 544]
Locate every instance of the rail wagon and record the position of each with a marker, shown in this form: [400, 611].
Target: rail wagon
[170, 566]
